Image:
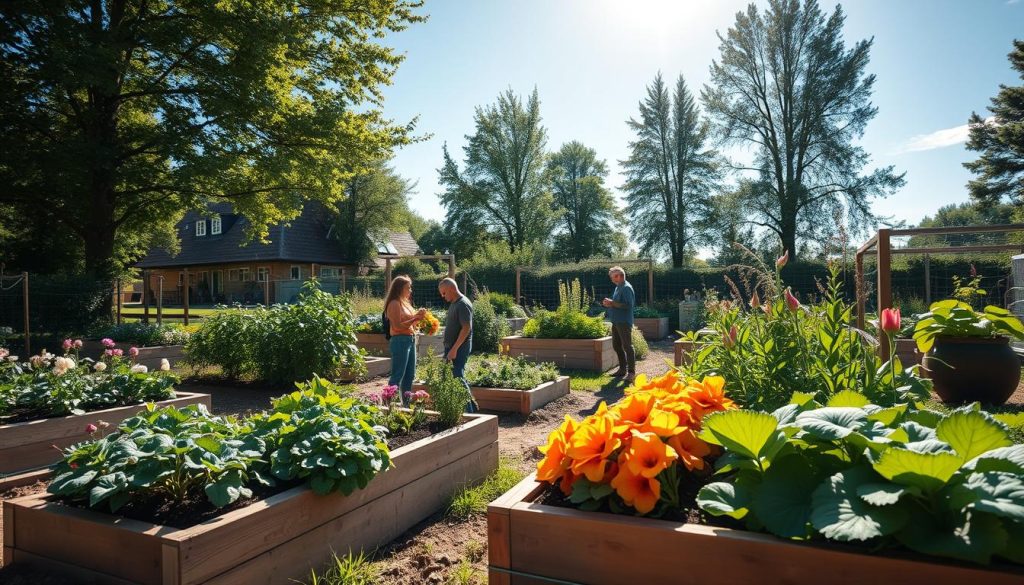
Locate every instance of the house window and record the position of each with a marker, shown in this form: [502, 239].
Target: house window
[296, 273]
[201, 227]
[328, 272]
[233, 275]
[215, 226]
[243, 274]
[262, 273]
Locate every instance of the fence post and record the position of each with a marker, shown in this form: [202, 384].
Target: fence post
[266, 290]
[519, 285]
[884, 288]
[145, 296]
[160, 300]
[451, 266]
[387, 273]
[24, 293]
[184, 298]
[928, 279]
[120, 299]
[859, 287]
[650, 282]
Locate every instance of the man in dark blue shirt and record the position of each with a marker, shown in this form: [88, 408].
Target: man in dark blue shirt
[620, 313]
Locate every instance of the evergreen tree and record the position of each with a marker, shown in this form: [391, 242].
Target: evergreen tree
[1001, 143]
[670, 173]
[787, 85]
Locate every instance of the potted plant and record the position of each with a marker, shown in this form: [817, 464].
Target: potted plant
[567, 336]
[650, 322]
[967, 352]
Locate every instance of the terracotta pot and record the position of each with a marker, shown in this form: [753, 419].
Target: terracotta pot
[968, 369]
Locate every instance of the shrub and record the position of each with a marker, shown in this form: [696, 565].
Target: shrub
[413, 268]
[145, 334]
[504, 305]
[448, 394]
[314, 336]
[640, 346]
[645, 312]
[503, 371]
[941, 484]
[369, 324]
[488, 327]
[570, 320]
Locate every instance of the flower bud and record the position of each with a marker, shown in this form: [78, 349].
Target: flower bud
[791, 301]
[890, 322]
[90, 428]
[782, 260]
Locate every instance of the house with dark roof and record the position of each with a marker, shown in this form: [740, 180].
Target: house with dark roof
[219, 266]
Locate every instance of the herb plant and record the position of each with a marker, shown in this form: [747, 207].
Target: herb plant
[941, 484]
[449, 395]
[504, 371]
[570, 320]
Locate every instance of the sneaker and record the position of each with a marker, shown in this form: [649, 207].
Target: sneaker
[619, 373]
[630, 377]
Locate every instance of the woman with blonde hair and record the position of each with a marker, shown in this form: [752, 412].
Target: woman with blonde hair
[401, 319]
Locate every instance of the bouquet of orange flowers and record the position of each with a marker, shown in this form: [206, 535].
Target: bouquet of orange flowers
[428, 325]
[634, 452]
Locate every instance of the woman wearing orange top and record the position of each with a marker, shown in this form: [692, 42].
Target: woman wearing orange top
[402, 318]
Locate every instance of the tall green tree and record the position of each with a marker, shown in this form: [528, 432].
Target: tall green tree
[590, 223]
[671, 173]
[501, 186]
[965, 214]
[786, 85]
[117, 115]
[1000, 140]
[376, 201]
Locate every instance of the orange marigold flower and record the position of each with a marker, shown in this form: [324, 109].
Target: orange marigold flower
[647, 455]
[690, 448]
[555, 462]
[590, 448]
[708, 396]
[568, 479]
[636, 490]
[634, 409]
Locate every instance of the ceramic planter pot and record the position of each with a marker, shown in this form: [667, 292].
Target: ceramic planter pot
[968, 369]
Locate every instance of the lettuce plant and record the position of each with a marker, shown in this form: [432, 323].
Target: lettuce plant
[949, 485]
[170, 453]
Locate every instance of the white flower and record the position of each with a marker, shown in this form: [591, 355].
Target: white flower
[62, 364]
[100, 366]
[165, 366]
[12, 358]
[139, 369]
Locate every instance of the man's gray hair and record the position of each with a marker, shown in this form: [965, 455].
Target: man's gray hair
[448, 283]
[617, 269]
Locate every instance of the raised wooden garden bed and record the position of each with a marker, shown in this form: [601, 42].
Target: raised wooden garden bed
[375, 344]
[271, 541]
[148, 356]
[532, 543]
[512, 400]
[581, 354]
[375, 367]
[906, 349]
[653, 328]
[28, 445]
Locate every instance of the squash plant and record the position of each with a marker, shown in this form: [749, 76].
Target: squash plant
[954, 318]
[948, 485]
[168, 453]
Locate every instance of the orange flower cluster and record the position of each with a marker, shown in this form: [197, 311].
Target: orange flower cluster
[429, 325]
[629, 444]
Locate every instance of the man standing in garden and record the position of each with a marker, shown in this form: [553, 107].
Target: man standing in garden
[458, 332]
[620, 313]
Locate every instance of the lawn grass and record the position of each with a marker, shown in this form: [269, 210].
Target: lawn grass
[136, 311]
[587, 381]
[473, 500]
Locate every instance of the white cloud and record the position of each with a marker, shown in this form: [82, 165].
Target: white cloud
[938, 139]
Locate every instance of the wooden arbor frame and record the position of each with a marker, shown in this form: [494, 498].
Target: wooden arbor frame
[881, 244]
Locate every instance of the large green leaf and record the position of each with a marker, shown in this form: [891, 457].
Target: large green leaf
[884, 493]
[783, 500]
[831, 423]
[928, 471]
[71, 482]
[848, 398]
[995, 492]
[972, 433]
[968, 536]
[724, 499]
[839, 513]
[1014, 549]
[752, 434]
[1009, 459]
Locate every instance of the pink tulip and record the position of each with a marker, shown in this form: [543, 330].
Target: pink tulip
[791, 301]
[890, 320]
[782, 260]
[68, 344]
[78, 344]
[90, 428]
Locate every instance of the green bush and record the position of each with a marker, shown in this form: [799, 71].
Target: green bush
[145, 334]
[645, 312]
[640, 344]
[503, 371]
[488, 327]
[504, 305]
[447, 393]
[412, 268]
[570, 320]
[314, 336]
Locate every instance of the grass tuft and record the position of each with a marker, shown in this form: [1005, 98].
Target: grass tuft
[473, 500]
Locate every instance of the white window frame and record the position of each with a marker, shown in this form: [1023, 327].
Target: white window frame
[330, 272]
[215, 226]
[244, 274]
[233, 275]
[201, 228]
[296, 272]
[262, 273]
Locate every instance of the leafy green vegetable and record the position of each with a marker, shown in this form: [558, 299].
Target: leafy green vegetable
[955, 318]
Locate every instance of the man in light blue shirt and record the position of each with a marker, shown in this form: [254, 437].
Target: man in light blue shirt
[620, 313]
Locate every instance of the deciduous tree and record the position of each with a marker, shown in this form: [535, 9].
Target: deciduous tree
[590, 223]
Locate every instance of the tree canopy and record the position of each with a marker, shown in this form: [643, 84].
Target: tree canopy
[376, 201]
[786, 83]
[118, 116]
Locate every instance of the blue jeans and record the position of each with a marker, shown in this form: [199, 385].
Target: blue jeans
[459, 368]
[403, 363]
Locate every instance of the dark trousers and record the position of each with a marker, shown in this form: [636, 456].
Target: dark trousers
[622, 342]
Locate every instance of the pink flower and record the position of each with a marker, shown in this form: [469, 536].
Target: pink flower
[890, 320]
[90, 428]
[78, 344]
[755, 301]
[108, 342]
[782, 260]
[134, 352]
[729, 339]
[791, 301]
[68, 344]
[420, 395]
[117, 352]
[389, 392]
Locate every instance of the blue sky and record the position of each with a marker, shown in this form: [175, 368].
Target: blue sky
[936, 62]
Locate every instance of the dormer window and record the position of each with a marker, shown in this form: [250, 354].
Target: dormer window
[201, 227]
[215, 226]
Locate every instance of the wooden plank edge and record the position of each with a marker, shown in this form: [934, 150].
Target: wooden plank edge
[80, 575]
[26, 478]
